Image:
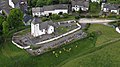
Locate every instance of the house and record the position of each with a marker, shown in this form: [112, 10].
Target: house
[98, 1]
[7, 5]
[80, 5]
[23, 6]
[27, 19]
[39, 28]
[102, 3]
[51, 9]
[113, 8]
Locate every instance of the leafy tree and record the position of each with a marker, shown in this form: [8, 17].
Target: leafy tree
[1, 21]
[15, 18]
[33, 3]
[5, 27]
[1, 40]
[77, 17]
[40, 3]
[55, 2]
[63, 1]
[49, 2]
[94, 7]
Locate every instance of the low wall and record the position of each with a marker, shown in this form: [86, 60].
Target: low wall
[20, 46]
[59, 36]
[117, 29]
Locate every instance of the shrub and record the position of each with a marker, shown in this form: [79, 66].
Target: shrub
[86, 27]
[77, 17]
[65, 15]
[55, 16]
[45, 19]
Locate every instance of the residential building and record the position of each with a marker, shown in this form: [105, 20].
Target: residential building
[7, 5]
[98, 1]
[27, 19]
[113, 8]
[51, 9]
[80, 5]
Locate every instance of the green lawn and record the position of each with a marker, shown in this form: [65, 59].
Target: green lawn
[62, 29]
[11, 56]
[107, 57]
[24, 32]
[102, 56]
[106, 33]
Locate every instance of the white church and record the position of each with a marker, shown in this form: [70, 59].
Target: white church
[39, 28]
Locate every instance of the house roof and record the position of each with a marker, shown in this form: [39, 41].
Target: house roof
[45, 25]
[27, 18]
[23, 7]
[15, 1]
[42, 25]
[112, 6]
[49, 8]
[80, 3]
[53, 7]
[4, 5]
[104, 1]
[36, 9]
[36, 20]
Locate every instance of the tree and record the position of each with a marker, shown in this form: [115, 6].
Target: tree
[49, 2]
[15, 18]
[5, 27]
[55, 1]
[1, 21]
[33, 3]
[63, 1]
[40, 3]
[93, 7]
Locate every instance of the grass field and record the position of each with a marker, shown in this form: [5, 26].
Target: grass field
[106, 57]
[106, 33]
[62, 29]
[81, 53]
[11, 56]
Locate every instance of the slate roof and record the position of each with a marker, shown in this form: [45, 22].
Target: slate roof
[112, 6]
[80, 3]
[104, 1]
[36, 20]
[37, 9]
[4, 5]
[43, 25]
[49, 8]
[27, 18]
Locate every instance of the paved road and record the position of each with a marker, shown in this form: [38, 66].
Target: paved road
[86, 20]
